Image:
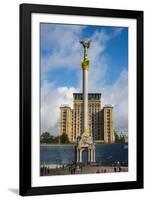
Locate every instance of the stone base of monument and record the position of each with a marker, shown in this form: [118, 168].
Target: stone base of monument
[85, 143]
[92, 164]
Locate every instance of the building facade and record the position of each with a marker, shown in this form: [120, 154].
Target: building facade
[107, 124]
[100, 120]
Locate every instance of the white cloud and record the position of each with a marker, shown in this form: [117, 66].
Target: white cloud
[51, 99]
[66, 51]
[117, 95]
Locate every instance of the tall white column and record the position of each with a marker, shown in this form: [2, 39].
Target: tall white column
[80, 156]
[85, 98]
[88, 155]
[91, 155]
[85, 67]
[94, 155]
[77, 155]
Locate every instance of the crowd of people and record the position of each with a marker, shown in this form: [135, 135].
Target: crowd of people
[105, 170]
[44, 171]
[77, 169]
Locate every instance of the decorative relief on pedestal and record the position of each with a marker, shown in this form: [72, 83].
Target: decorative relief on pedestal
[85, 141]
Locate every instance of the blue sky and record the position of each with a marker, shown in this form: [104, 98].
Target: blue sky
[61, 73]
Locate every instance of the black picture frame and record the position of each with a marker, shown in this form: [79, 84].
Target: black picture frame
[25, 187]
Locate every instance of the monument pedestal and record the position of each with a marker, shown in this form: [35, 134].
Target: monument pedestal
[85, 143]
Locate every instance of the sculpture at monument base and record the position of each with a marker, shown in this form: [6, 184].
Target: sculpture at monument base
[85, 143]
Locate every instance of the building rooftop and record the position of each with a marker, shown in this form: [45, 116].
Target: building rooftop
[64, 106]
[91, 96]
[108, 106]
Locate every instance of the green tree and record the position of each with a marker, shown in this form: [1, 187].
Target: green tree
[122, 139]
[45, 137]
[56, 140]
[64, 139]
[116, 137]
[119, 138]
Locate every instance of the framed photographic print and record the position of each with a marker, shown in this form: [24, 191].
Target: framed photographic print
[81, 99]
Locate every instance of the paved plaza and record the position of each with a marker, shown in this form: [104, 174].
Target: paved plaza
[83, 170]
